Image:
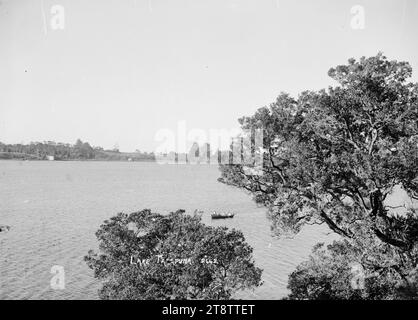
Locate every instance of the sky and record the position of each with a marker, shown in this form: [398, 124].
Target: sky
[115, 72]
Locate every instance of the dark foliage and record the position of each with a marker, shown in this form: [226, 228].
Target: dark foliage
[333, 157]
[175, 257]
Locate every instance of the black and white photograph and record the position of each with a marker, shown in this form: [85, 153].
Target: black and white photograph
[209, 150]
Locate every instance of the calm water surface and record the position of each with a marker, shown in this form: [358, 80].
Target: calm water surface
[54, 209]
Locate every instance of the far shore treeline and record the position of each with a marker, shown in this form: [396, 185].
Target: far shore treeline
[64, 151]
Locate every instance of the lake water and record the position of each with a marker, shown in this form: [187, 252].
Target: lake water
[55, 208]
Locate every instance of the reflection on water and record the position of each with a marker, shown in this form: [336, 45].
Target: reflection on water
[55, 208]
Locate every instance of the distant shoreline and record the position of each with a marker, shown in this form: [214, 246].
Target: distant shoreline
[58, 151]
[77, 160]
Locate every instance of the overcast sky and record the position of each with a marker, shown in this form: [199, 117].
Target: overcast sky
[120, 71]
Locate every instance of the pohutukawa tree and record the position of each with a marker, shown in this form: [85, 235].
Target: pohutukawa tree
[146, 255]
[332, 157]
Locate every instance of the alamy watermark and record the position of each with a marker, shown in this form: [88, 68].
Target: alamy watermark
[213, 146]
[358, 276]
[358, 19]
[58, 280]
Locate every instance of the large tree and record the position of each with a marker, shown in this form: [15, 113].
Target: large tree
[145, 255]
[360, 269]
[332, 157]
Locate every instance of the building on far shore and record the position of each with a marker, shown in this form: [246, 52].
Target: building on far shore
[50, 158]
